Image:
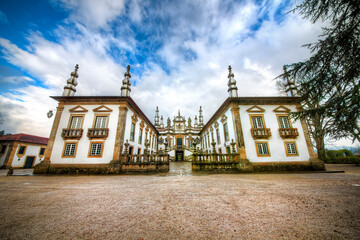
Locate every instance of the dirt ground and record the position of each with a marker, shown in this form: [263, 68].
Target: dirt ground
[182, 206]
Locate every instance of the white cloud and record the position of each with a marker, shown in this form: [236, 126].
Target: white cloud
[92, 13]
[18, 79]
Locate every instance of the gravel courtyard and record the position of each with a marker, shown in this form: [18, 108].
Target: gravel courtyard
[213, 206]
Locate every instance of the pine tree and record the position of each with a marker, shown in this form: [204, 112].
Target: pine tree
[332, 73]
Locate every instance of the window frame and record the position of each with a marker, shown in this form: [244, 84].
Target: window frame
[75, 151]
[40, 155]
[76, 115]
[3, 149]
[101, 115]
[296, 149]
[262, 119]
[218, 138]
[257, 149]
[140, 135]
[132, 133]
[102, 149]
[278, 116]
[23, 153]
[226, 132]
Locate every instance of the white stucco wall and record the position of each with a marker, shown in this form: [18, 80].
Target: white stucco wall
[223, 144]
[83, 144]
[275, 142]
[31, 151]
[135, 143]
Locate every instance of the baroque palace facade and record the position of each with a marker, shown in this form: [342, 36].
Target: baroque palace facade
[95, 131]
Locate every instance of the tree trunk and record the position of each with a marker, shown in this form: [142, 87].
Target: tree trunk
[320, 147]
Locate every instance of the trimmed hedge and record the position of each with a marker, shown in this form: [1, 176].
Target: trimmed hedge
[344, 160]
[342, 153]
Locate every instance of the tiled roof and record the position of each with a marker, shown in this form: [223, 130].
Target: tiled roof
[21, 137]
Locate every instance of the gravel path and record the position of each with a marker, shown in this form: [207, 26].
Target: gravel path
[219, 206]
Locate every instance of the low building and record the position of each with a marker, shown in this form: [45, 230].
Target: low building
[21, 150]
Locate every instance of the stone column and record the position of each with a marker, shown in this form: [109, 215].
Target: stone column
[120, 131]
[239, 136]
[43, 166]
[10, 154]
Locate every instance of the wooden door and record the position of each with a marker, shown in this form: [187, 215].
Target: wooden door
[29, 162]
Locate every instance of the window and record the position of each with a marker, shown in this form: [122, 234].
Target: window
[146, 135]
[139, 151]
[42, 151]
[291, 149]
[22, 150]
[131, 150]
[69, 150]
[228, 150]
[76, 122]
[96, 149]
[226, 132]
[101, 122]
[218, 136]
[190, 143]
[212, 137]
[179, 141]
[284, 122]
[3, 149]
[220, 151]
[140, 135]
[262, 149]
[257, 122]
[208, 140]
[132, 132]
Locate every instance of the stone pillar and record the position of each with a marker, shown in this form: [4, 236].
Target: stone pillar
[10, 155]
[239, 136]
[43, 166]
[120, 131]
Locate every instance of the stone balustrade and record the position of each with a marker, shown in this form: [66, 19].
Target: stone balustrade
[145, 159]
[68, 133]
[214, 158]
[98, 133]
[288, 132]
[260, 133]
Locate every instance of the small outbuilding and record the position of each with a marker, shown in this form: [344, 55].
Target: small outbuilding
[21, 150]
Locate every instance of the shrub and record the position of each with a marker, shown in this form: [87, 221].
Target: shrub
[344, 160]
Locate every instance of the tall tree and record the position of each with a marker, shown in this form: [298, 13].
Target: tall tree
[312, 111]
[332, 73]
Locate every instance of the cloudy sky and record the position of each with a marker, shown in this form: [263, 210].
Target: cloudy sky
[179, 52]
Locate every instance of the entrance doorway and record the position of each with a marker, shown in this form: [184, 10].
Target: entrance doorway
[29, 162]
[179, 156]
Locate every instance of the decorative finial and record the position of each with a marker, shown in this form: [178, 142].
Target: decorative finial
[179, 113]
[125, 89]
[232, 84]
[69, 89]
